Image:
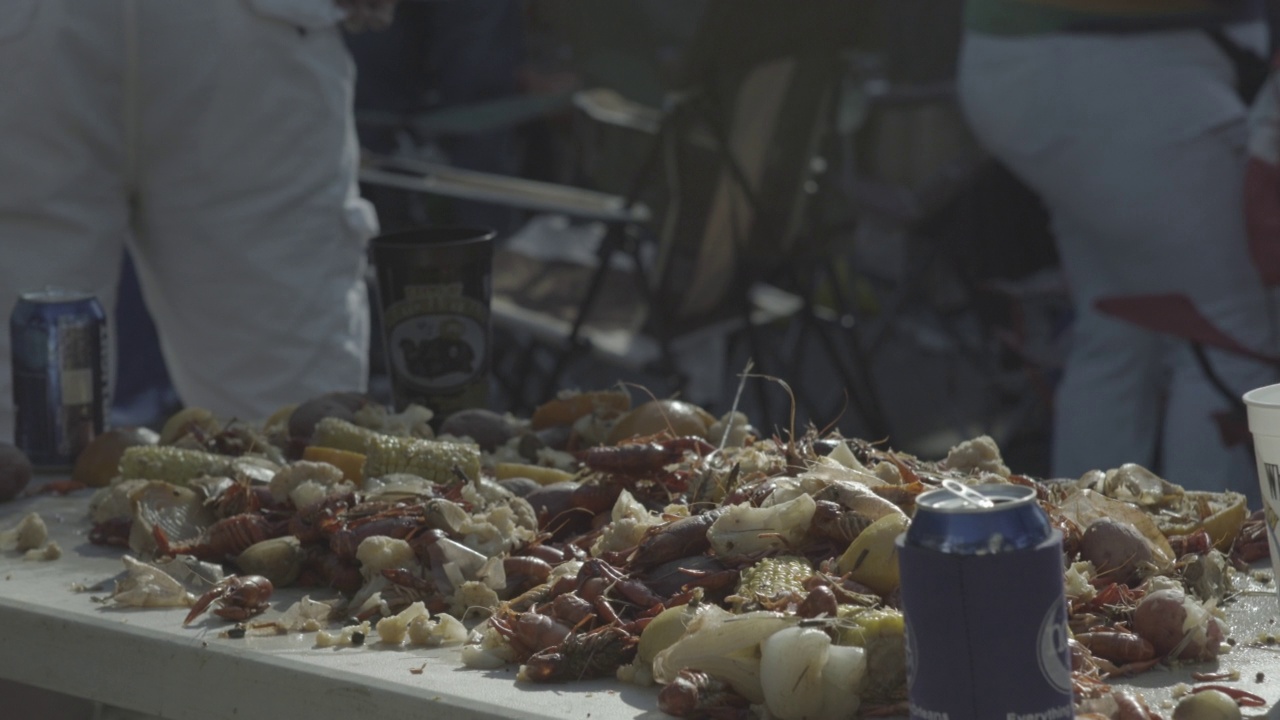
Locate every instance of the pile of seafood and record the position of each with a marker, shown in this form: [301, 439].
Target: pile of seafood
[748, 576]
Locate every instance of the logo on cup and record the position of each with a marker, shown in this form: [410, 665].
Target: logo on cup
[437, 338]
[1273, 480]
[438, 352]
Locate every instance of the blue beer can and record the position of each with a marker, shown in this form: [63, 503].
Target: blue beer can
[982, 596]
[59, 341]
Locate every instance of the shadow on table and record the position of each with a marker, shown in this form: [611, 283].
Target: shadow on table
[644, 699]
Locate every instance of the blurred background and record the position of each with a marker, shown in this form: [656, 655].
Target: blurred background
[790, 190]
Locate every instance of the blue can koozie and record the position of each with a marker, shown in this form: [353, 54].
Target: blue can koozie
[985, 612]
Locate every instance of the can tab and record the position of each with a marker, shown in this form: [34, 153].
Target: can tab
[968, 494]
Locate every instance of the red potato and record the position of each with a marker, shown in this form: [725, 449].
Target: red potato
[1118, 551]
[333, 404]
[1167, 618]
[15, 471]
[487, 428]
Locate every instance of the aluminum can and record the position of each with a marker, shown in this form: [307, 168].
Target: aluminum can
[59, 342]
[982, 597]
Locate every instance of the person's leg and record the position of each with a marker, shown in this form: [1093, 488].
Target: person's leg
[143, 394]
[1111, 132]
[252, 255]
[1207, 226]
[64, 212]
[1166, 186]
[1106, 404]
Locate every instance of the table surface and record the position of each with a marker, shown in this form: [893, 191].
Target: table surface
[144, 660]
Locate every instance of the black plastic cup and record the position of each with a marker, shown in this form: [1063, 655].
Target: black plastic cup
[433, 287]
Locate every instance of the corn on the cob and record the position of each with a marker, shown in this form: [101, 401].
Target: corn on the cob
[880, 632]
[332, 432]
[770, 578]
[432, 460]
[171, 464]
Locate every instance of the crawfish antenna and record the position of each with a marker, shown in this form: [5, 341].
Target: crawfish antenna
[737, 398]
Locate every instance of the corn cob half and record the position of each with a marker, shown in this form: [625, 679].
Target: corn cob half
[881, 632]
[339, 434]
[432, 460]
[171, 464]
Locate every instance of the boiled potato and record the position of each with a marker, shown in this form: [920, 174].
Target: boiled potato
[872, 557]
[1117, 550]
[677, 417]
[100, 459]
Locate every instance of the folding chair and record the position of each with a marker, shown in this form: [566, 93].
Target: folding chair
[928, 206]
[732, 161]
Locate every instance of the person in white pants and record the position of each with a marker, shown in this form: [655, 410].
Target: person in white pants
[1136, 142]
[216, 141]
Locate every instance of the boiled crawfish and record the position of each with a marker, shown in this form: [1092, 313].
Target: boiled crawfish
[222, 540]
[647, 458]
[598, 653]
[695, 694]
[239, 598]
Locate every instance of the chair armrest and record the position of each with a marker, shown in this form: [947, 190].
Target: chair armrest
[1174, 314]
[480, 117]
[610, 108]
[538, 196]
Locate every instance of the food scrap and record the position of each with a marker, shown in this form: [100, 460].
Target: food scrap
[145, 585]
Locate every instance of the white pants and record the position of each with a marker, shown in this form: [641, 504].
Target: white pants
[1136, 144]
[215, 140]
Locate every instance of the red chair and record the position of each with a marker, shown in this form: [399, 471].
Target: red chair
[1175, 314]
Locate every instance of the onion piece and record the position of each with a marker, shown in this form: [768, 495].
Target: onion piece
[743, 530]
[805, 677]
[791, 662]
[725, 645]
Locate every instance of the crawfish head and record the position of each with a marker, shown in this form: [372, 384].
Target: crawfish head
[695, 693]
[529, 632]
[594, 654]
[239, 598]
[702, 571]
[557, 510]
[315, 521]
[677, 539]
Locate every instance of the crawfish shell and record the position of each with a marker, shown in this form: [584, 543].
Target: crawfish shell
[179, 511]
[113, 501]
